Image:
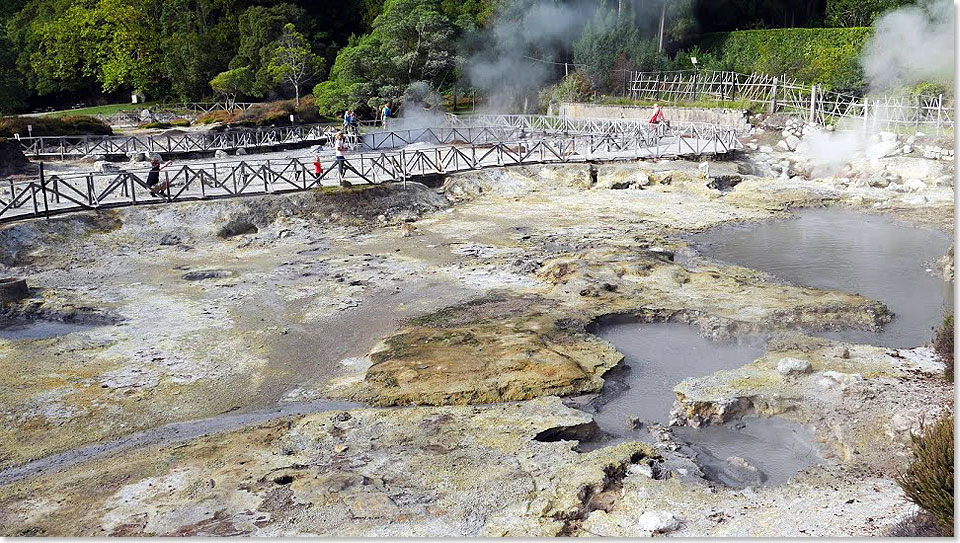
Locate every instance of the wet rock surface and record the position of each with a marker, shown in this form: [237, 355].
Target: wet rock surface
[481, 291]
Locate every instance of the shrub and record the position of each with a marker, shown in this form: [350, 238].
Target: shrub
[54, 126]
[828, 56]
[928, 481]
[272, 113]
[573, 88]
[332, 98]
[943, 345]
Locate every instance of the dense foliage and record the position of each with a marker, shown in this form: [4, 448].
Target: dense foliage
[365, 52]
[829, 56]
[928, 481]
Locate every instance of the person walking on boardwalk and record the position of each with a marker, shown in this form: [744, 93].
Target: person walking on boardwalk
[386, 113]
[658, 116]
[153, 177]
[341, 145]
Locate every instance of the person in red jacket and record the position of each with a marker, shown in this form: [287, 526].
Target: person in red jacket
[658, 116]
[317, 168]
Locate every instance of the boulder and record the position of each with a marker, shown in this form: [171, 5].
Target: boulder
[658, 522]
[641, 469]
[830, 379]
[793, 366]
[888, 137]
[220, 153]
[102, 166]
[792, 142]
[241, 151]
[782, 145]
[745, 474]
[13, 289]
[914, 185]
[879, 181]
[92, 158]
[146, 116]
[136, 157]
[881, 149]
[766, 149]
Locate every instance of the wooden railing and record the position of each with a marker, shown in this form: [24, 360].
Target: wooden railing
[53, 194]
[781, 93]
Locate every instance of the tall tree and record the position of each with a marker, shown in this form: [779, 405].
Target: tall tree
[292, 61]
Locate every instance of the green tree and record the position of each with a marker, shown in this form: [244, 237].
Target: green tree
[411, 40]
[229, 84]
[110, 41]
[259, 28]
[292, 61]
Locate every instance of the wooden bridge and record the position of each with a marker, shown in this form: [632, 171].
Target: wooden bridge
[463, 129]
[448, 153]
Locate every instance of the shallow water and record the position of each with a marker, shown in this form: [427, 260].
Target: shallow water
[877, 257]
[775, 448]
[874, 256]
[17, 329]
[657, 356]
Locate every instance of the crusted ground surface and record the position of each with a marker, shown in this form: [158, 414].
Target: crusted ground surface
[478, 292]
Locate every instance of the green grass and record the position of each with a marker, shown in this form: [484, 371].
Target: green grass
[108, 109]
[704, 103]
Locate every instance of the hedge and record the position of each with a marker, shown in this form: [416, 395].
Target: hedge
[53, 126]
[828, 56]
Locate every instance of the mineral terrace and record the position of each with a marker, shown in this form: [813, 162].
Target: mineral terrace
[418, 343]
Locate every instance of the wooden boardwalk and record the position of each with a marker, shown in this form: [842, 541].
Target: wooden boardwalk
[50, 195]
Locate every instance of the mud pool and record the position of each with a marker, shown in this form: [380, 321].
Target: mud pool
[874, 256]
[18, 329]
[639, 392]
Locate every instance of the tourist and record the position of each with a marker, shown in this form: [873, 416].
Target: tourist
[386, 113]
[346, 119]
[317, 168]
[658, 116]
[153, 177]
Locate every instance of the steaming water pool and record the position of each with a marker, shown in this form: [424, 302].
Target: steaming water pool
[874, 256]
[877, 257]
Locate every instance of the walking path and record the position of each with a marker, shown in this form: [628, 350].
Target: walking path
[426, 152]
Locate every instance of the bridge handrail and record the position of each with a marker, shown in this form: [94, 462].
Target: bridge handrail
[49, 195]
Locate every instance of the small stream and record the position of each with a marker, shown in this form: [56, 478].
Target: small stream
[874, 256]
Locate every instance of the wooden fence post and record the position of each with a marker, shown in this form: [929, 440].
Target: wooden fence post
[773, 97]
[813, 103]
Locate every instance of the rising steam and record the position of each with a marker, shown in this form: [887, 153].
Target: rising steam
[910, 45]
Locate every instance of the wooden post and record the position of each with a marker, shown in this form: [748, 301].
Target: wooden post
[773, 97]
[813, 103]
[43, 189]
[939, 110]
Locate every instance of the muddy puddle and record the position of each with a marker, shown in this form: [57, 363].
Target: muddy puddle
[25, 329]
[874, 256]
[877, 257]
[638, 395]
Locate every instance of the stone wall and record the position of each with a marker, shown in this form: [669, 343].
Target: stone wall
[728, 118]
